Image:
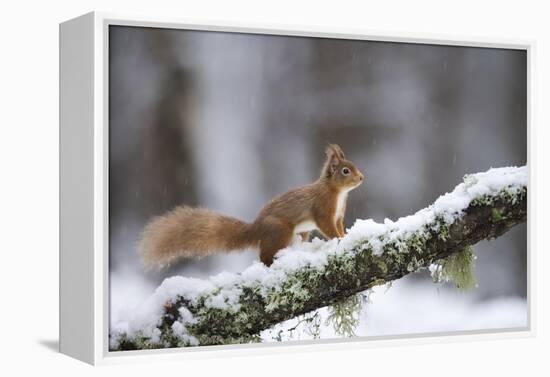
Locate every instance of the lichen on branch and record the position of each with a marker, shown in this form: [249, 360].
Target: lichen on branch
[235, 308]
[457, 268]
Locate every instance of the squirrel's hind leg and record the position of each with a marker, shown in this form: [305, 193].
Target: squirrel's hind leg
[278, 237]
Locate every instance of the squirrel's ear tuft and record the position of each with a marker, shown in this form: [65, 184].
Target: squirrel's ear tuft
[335, 149]
[334, 157]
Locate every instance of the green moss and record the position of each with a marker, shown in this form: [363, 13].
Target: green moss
[381, 265]
[443, 232]
[417, 242]
[344, 315]
[508, 195]
[496, 215]
[221, 340]
[459, 269]
[294, 291]
[136, 342]
[341, 263]
[481, 201]
[377, 281]
[415, 264]
[272, 303]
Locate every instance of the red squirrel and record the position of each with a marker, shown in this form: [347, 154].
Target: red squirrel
[187, 232]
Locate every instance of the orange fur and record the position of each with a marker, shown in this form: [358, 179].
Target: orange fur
[187, 232]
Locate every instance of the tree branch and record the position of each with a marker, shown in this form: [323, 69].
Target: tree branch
[235, 308]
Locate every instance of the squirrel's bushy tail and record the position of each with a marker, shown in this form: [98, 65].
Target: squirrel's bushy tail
[187, 232]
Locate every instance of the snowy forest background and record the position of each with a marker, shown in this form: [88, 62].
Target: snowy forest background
[229, 120]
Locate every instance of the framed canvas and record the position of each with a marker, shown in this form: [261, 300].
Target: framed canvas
[238, 189]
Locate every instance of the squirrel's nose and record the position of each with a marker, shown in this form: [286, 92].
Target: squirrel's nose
[361, 177]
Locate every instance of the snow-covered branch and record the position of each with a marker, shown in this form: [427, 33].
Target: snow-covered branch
[235, 308]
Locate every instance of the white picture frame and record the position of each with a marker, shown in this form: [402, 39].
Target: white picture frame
[84, 188]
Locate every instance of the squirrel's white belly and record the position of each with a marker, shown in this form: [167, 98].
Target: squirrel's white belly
[341, 203]
[305, 226]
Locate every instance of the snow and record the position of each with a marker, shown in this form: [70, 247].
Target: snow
[432, 308]
[223, 290]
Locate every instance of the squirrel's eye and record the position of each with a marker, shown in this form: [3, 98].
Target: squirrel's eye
[345, 171]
